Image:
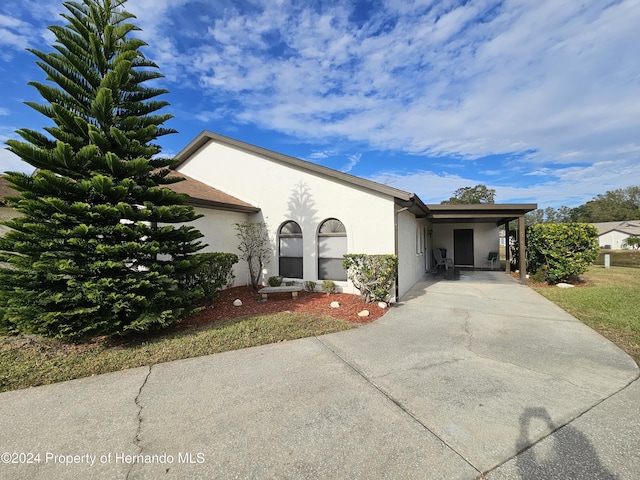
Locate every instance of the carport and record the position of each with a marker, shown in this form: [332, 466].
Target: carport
[497, 214]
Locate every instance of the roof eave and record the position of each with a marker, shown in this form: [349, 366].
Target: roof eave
[199, 202]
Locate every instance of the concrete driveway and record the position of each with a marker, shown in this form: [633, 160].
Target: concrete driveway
[456, 381]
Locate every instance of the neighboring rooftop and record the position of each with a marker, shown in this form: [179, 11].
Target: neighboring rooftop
[632, 227]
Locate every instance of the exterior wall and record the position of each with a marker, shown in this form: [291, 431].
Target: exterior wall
[614, 239]
[413, 250]
[485, 240]
[284, 192]
[219, 232]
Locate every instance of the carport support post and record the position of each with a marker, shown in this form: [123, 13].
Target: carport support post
[522, 259]
[507, 251]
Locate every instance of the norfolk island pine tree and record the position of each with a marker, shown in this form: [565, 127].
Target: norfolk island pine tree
[102, 244]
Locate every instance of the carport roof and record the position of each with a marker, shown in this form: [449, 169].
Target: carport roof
[498, 213]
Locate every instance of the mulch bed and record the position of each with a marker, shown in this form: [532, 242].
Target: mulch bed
[579, 281]
[319, 303]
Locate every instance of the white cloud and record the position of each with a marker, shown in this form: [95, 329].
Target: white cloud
[353, 161]
[322, 154]
[553, 83]
[12, 34]
[570, 186]
[465, 80]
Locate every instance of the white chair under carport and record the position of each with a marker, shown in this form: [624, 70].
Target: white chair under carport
[440, 261]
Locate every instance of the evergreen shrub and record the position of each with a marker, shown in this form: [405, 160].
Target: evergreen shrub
[374, 275]
[561, 250]
[101, 244]
[214, 274]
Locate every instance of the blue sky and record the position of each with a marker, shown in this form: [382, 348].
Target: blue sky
[537, 99]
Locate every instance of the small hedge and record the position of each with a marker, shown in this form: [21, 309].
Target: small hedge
[557, 252]
[620, 258]
[374, 275]
[214, 274]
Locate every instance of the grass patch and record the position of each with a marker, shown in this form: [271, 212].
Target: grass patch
[29, 361]
[608, 303]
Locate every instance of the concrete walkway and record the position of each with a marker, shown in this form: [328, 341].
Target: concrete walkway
[456, 381]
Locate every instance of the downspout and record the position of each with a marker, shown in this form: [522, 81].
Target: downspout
[396, 248]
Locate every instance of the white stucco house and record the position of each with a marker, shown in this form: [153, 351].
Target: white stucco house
[315, 214]
[612, 235]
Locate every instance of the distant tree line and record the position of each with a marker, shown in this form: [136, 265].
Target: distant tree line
[613, 206]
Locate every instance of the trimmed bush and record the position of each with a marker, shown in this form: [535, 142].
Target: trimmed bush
[374, 275]
[214, 274]
[309, 286]
[275, 281]
[561, 250]
[328, 286]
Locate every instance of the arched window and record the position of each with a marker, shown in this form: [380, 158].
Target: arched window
[332, 245]
[290, 250]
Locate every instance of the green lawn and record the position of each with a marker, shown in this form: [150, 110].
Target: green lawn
[31, 361]
[609, 303]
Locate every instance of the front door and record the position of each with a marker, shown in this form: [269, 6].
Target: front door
[463, 247]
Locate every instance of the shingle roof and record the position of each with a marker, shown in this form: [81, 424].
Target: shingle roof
[201, 194]
[632, 227]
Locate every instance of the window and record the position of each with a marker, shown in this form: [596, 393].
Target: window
[290, 250]
[332, 245]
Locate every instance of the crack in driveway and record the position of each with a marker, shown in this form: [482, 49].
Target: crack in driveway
[136, 437]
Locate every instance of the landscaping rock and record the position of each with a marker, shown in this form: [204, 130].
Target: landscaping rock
[382, 305]
[335, 305]
[364, 313]
[564, 285]
[237, 302]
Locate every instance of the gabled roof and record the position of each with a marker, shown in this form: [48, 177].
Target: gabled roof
[499, 213]
[631, 228]
[206, 136]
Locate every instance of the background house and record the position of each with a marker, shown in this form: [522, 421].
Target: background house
[611, 235]
[315, 215]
